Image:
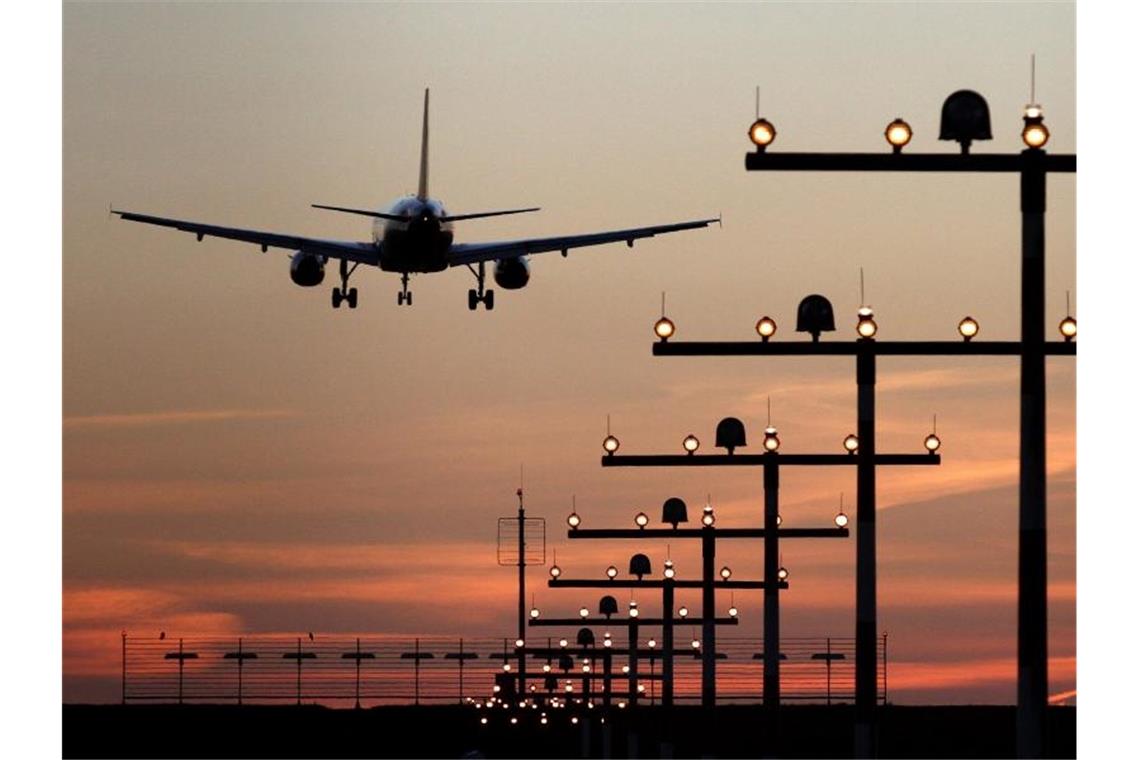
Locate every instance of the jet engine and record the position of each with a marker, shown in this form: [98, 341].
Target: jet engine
[307, 269]
[512, 273]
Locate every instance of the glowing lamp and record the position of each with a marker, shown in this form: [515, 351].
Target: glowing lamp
[633, 612]
[733, 612]
[1034, 134]
[641, 519]
[851, 443]
[898, 134]
[611, 444]
[670, 571]
[691, 443]
[562, 642]
[555, 571]
[652, 643]
[683, 612]
[573, 520]
[1068, 328]
[534, 613]
[696, 644]
[766, 328]
[841, 520]
[708, 519]
[519, 643]
[866, 326]
[782, 573]
[968, 328]
[726, 572]
[771, 440]
[611, 572]
[761, 133]
[664, 328]
[932, 443]
[583, 612]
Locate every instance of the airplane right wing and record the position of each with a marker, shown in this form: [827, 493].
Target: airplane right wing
[462, 254]
[364, 253]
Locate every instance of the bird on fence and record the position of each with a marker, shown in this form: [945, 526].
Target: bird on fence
[310, 635]
[161, 635]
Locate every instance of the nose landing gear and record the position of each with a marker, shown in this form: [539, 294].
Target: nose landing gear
[405, 295]
[477, 296]
[344, 293]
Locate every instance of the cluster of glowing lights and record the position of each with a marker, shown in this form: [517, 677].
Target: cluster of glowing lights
[691, 443]
[766, 328]
[898, 132]
[866, 326]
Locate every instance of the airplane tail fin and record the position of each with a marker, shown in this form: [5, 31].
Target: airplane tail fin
[422, 193]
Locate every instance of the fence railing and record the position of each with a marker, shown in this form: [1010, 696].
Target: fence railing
[378, 670]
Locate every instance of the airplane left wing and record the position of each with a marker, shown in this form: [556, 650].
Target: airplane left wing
[462, 254]
[364, 253]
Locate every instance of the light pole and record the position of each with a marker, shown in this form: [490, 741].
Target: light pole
[521, 542]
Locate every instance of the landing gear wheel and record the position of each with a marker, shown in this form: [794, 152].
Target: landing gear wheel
[351, 298]
[400, 299]
[489, 299]
[337, 298]
[409, 298]
[472, 299]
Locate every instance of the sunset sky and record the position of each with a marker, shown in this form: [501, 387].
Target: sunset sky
[238, 457]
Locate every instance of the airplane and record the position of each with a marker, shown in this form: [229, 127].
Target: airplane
[414, 235]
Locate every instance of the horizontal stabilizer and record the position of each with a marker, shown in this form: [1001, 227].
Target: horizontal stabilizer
[363, 212]
[482, 214]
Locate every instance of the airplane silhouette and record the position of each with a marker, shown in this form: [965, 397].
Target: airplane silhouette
[414, 235]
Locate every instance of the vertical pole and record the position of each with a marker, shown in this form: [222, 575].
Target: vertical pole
[771, 599]
[522, 598]
[124, 685]
[668, 590]
[357, 672]
[181, 662]
[460, 670]
[884, 668]
[1032, 646]
[607, 682]
[241, 664]
[298, 671]
[829, 670]
[417, 671]
[633, 661]
[866, 603]
[708, 623]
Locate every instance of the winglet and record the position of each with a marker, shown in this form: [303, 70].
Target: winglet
[422, 194]
[719, 223]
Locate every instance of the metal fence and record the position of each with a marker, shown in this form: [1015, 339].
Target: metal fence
[377, 670]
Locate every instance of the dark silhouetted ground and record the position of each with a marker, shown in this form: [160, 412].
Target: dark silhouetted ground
[310, 731]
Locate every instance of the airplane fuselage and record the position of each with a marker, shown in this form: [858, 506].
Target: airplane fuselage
[419, 244]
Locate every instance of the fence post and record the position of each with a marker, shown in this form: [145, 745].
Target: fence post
[884, 668]
[460, 670]
[357, 672]
[298, 671]
[828, 670]
[241, 664]
[124, 667]
[417, 661]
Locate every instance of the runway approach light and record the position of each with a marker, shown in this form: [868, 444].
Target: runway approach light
[968, 328]
[641, 519]
[664, 328]
[555, 571]
[726, 572]
[841, 519]
[633, 609]
[611, 572]
[766, 328]
[733, 612]
[932, 443]
[611, 444]
[1068, 328]
[851, 443]
[866, 326]
[771, 440]
[708, 519]
[898, 134]
[573, 520]
[583, 612]
[534, 613]
[761, 133]
[782, 573]
[670, 571]
[691, 443]
[683, 612]
[1035, 134]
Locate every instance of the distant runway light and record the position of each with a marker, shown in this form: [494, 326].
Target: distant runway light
[898, 134]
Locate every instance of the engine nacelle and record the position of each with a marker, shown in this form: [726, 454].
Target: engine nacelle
[307, 269]
[513, 273]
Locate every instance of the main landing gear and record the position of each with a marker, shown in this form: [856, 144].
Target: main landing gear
[477, 296]
[405, 295]
[344, 293]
